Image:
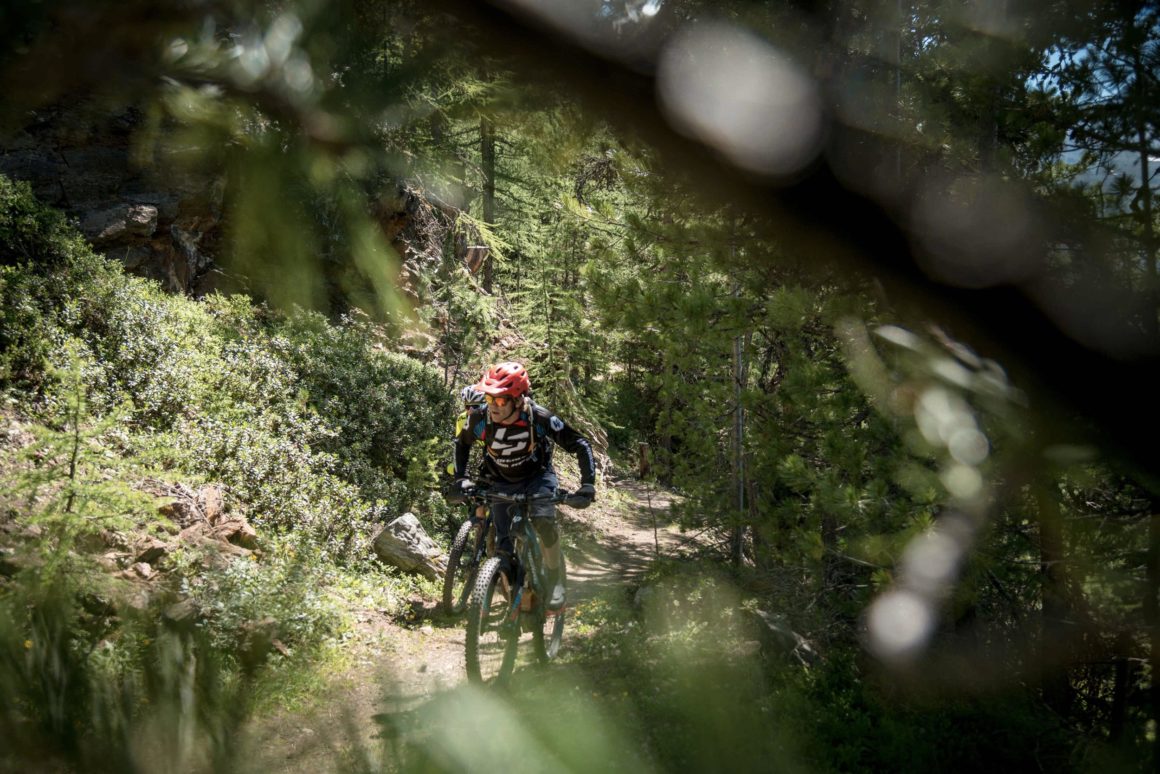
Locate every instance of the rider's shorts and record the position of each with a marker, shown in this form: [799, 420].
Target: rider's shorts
[543, 483]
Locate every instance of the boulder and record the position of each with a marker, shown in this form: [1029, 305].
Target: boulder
[150, 550]
[405, 544]
[183, 612]
[237, 531]
[778, 637]
[119, 224]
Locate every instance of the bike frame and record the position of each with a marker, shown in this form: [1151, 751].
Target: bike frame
[505, 593]
[479, 548]
[528, 554]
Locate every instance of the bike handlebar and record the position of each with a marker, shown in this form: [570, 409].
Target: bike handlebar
[482, 495]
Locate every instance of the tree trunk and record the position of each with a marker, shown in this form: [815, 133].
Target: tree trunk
[1152, 624]
[1120, 687]
[1152, 290]
[737, 540]
[487, 156]
[898, 28]
[1055, 629]
[665, 474]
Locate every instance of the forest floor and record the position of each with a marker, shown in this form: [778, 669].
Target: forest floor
[391, 668]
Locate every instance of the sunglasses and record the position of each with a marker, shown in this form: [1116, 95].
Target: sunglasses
[499, 400]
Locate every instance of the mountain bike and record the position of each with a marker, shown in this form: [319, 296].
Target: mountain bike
[473, 543]
[505, 605]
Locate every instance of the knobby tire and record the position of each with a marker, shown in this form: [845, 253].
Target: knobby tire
[491, 650]
[458, 577]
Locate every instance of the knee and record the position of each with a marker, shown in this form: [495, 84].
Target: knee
[546, 529]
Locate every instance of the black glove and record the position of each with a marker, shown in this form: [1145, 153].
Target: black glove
[457, 492]
[582, 497]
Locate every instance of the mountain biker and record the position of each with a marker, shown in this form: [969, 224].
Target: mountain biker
[472, 399]
[518, 436]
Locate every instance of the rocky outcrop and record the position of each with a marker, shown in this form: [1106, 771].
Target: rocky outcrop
[199, 519]
[132, 197]
[132, 205]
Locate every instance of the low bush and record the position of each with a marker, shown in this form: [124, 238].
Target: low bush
[382, 407]
[311, 425]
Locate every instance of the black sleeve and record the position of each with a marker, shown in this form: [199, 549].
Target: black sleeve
[463, 443]
[565, 435]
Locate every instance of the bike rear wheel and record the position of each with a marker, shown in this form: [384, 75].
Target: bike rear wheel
[492, 638]
[459, 577]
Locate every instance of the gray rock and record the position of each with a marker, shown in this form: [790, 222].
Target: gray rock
[161, 221]
[120, 224]
[181, 612]
[405, 544]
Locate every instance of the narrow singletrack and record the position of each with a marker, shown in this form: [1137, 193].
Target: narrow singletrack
[390, 670]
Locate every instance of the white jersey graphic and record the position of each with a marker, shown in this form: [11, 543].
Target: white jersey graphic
[510, 445]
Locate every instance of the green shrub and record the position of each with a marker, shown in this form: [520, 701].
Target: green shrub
[27, 335]
[149, 346]
[383, 407]
[31, 232]
[312, 426]
[279, 595]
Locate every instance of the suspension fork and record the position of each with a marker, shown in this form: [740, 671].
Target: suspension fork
[530, 564]
[527, 555]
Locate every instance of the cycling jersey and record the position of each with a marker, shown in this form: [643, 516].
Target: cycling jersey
[522, 448]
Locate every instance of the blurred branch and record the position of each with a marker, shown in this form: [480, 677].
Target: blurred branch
[60, 48]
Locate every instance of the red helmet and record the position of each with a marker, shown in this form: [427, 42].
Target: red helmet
[505, 379]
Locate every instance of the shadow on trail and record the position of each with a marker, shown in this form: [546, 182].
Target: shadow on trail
[625, 544]
[595, 568]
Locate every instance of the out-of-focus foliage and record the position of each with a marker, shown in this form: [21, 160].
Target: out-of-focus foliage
[874, 481]
[78, 698]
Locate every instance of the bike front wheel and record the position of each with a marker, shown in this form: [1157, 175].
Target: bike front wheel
[492, 635]
[548, 633]
[548, 628]
[459, 577]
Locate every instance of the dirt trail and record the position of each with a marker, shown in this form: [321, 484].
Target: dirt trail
[391, 668]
